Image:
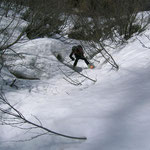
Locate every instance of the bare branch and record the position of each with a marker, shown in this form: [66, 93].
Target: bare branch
[9, 45]
[15, 114]
[143, 45]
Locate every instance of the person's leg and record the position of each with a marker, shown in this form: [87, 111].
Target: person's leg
[86, 61]
[76, 61]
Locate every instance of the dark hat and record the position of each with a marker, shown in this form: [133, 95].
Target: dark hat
[74, 47]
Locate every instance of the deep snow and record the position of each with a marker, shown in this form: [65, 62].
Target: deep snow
[112, 113]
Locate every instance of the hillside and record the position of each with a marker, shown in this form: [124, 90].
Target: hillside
[112, 113]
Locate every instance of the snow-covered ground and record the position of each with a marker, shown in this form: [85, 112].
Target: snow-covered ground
[113, 113]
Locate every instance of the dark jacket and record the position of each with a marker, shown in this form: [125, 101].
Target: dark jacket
[77, 52]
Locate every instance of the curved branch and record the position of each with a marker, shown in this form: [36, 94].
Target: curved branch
[18, 115]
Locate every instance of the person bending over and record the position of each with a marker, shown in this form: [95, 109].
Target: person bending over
[77, 51]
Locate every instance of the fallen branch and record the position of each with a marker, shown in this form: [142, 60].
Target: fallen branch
[66, 64]
[18, 118]
[143, 45]
[68, 79]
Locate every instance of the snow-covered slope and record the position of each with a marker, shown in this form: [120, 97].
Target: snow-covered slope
[113, 113]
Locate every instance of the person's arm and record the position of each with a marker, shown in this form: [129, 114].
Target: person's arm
[71, 55]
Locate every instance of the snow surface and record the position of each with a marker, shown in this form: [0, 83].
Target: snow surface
[113, 113]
